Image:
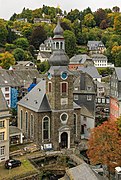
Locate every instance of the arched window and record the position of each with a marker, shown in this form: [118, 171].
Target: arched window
[26, 121]
[57, 45]
[21, 119]
[64, 88]
[49, 87]
[46, 128]
[31, 126]
[75, 124]
[61, 45]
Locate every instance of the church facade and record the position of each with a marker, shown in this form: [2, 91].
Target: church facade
[48, 115]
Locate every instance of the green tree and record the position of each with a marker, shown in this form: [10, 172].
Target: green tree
[66, 24]
[6, 60]
[43, 67]
[70, 43]
[38, 36]
[117, 24]
[3, 32]
[19, 54]
[89, 20]
[22, 43]
[9, 47]
[73, 15]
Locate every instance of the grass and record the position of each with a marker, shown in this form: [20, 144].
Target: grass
[25, 169]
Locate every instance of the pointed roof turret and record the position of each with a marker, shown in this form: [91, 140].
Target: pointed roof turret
[59, 56]
[58, 31]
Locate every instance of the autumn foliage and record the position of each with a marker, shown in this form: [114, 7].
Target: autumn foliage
[104, 145]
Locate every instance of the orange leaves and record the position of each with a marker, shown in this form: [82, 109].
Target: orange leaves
[104, 145]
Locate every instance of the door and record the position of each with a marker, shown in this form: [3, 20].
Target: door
[64, 140]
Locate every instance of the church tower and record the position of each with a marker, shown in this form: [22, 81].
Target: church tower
[60, 93]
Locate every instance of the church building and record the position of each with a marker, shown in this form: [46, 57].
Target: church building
[48, 115]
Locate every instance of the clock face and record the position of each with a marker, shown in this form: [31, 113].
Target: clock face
[64, 75]
[49, 76]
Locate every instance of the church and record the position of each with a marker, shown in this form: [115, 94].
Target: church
[48, 114]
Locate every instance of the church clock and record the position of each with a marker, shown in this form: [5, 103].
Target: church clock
[64, 75]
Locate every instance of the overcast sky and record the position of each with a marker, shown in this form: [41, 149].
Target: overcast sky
[9, 7]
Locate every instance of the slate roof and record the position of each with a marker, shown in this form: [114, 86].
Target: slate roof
[59, 58]
[91, 70]
[98, 57]
[3, 103]
[36, 99]
[86, 112]
[13, 130]
[15, 78]
[79, 59]
[57, 70]
[94, 43]
[76, 106]
[82, 172]
[118, 72]
[24, 63]
[44, 54]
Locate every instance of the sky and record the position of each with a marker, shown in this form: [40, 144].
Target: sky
[9, 7]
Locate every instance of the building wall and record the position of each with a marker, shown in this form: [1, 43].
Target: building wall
[114, 108]
[7, 94]
[56, 126]
[4, 144]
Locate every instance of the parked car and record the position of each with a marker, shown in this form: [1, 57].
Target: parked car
[11, 163]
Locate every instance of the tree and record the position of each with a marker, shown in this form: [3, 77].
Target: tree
[103, 24]
[100, 15]
[6, 60]
[89, 20]
[22, 43]
[104, 145]
[19, 54]
[43, 67]
[117, 24]
[116, 9]
[73, 15]
[38, 36]
[3, 32]
[70, 43]
[66, 24]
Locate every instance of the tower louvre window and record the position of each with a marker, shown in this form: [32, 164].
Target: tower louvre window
[49, 87]
[64, 86]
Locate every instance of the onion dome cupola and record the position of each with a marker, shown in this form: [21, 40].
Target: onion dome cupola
[58, 39]
[59, 56]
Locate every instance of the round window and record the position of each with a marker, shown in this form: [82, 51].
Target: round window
[64, 117]
[64, 75]
[49, 76]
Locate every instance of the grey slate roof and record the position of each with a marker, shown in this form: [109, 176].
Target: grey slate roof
[36, 99]
[57, 70]
[76, 106]
[79, 59]
[13, 130]
[44, 54]
[86, 112]
[118, 72]
[82, 172]
[58, 31]
[91, 70]
[15, 78]
[3, 103]
[59, 58]
[24, 63]
[99, 57]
